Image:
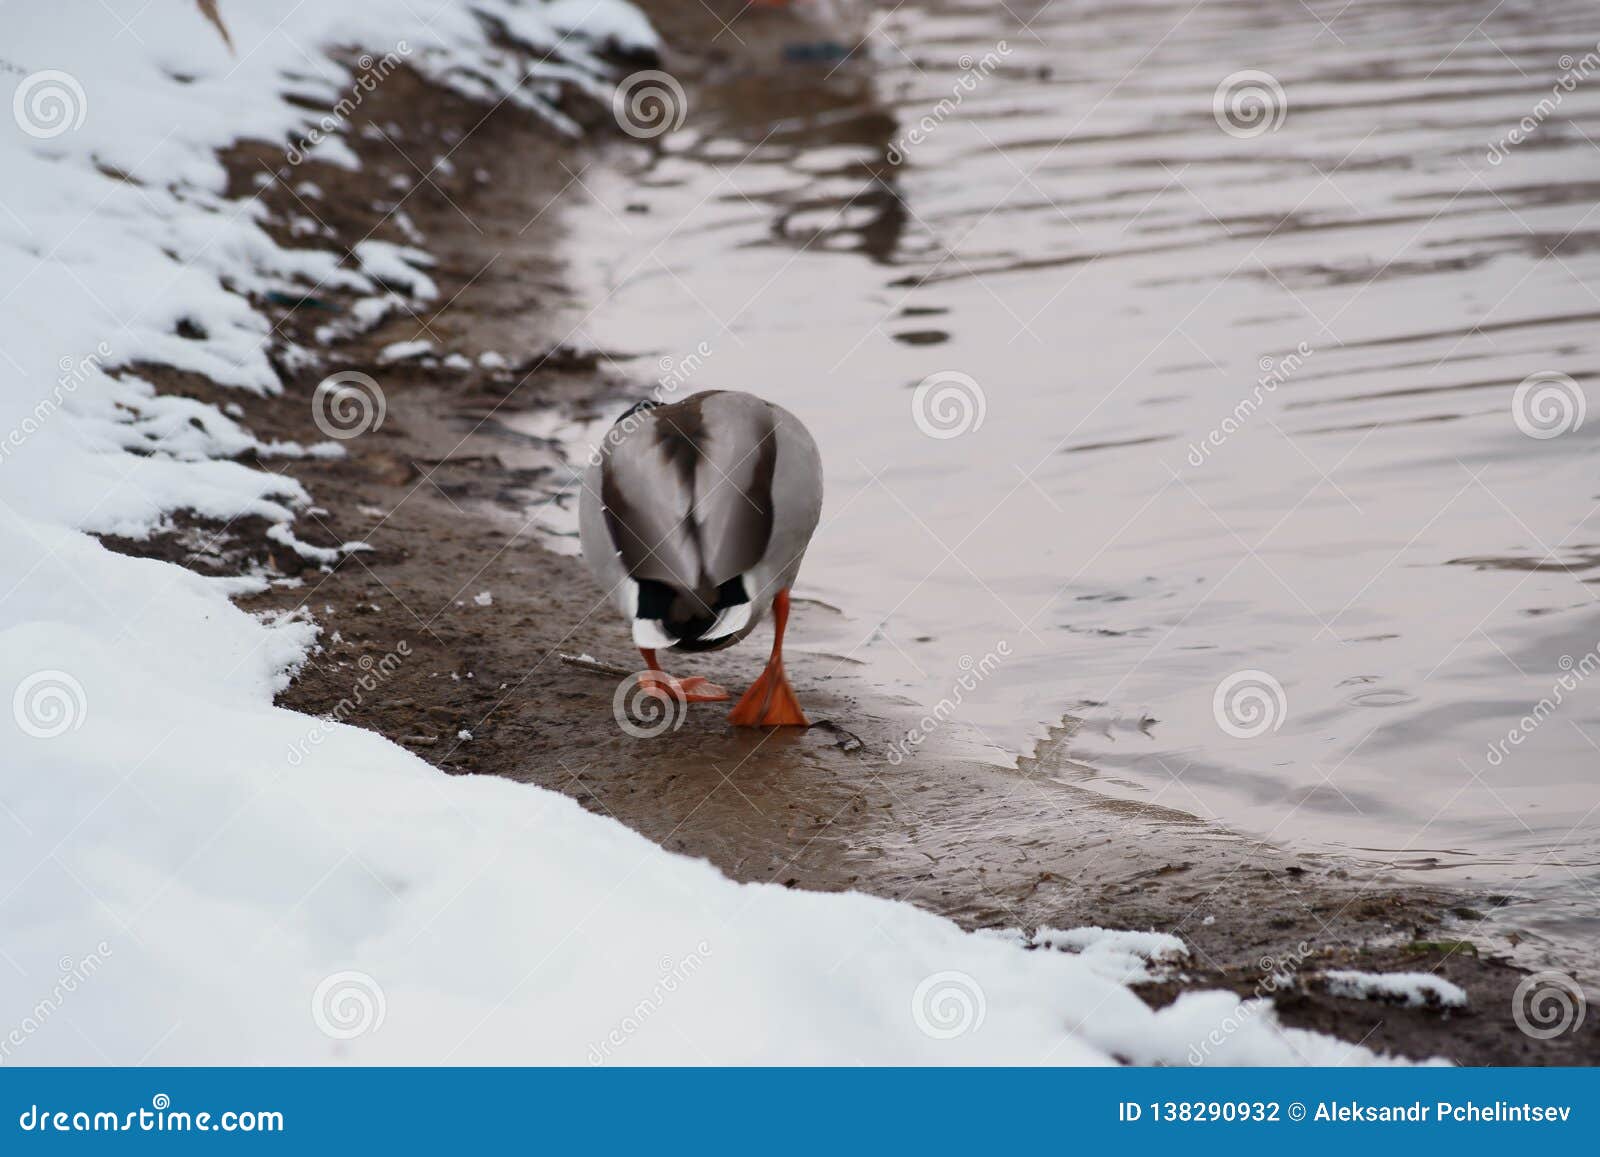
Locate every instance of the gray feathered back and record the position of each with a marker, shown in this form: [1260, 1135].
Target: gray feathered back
[688, 491]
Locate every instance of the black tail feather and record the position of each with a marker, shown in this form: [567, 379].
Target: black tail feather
[686, 616]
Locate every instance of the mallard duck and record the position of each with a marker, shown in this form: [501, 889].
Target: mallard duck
[810, 31]
[695, 517]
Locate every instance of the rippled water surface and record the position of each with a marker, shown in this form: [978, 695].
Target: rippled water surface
[1249, 413]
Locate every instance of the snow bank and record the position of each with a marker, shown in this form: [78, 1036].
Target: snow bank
[189, 874]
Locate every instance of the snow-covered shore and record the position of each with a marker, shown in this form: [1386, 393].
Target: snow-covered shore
[190, 874]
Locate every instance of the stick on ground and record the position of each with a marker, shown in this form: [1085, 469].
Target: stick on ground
[593, 666]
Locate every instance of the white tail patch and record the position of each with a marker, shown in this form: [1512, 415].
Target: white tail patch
[649, 634]
[730, 621]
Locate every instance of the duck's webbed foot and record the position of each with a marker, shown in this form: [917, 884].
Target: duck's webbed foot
[693, 689]
[770, 702]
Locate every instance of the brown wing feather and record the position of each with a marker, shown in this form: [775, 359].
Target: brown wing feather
[733, 484]
[647, 506]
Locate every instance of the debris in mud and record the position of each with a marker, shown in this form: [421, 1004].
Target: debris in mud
[593, 666]
[1447, 947]
[846, 740]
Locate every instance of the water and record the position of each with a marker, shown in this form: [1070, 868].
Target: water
[1248, 401]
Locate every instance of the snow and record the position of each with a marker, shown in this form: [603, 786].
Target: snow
[396, 266]
[1122, 956]
[258, 886]
[1413, 989]
[401, 351]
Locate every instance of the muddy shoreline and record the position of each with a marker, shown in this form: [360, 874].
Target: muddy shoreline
[441, 494]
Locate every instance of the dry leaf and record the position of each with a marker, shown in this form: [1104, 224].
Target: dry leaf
[208, 9]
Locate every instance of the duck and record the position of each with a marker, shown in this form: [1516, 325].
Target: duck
[695, 517]
[811, 31]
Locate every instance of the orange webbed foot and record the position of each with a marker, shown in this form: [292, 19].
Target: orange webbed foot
[694, 689]
[770, 702]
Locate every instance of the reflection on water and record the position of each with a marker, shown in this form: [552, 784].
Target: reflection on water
[1257, 336]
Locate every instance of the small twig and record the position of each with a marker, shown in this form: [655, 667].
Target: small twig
[593, 666]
